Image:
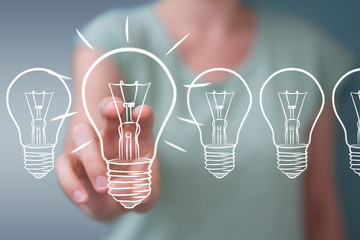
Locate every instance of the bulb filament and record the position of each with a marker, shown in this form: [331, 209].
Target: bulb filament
[38, 102]
[129, 129]
[217, 103]
[294, 103]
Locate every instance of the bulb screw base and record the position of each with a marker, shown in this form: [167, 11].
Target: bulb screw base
[219, 160]
[292, 160]
[39, 160]
[129, 181]
[355, 158]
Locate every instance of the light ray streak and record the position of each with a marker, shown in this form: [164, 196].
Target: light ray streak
[81, 147]
[84, 39]
[177, 44]
[190, 121]
[63, 116]
[175, 146]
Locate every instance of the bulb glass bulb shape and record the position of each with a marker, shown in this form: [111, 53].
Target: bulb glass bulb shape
[297, 96]
[35, 100]
[219, 112]
[130, 169]
[346, 105]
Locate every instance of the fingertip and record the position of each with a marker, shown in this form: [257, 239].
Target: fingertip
[80, 196]
[101, 184]
[110, 108]
[146, 112]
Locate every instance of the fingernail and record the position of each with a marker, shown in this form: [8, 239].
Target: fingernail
[79, 196]
[101, 182]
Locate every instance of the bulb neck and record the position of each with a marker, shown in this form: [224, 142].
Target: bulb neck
[292, 159]
[355, 158]
[219, 160]
[39, 160]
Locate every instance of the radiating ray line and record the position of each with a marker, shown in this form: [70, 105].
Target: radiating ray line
[64, 77]
[197, 85]
[127, 29]
[175, 146]
[63, 116]
[190, 121]
[84, 39]
[177, 44]
[81, 147]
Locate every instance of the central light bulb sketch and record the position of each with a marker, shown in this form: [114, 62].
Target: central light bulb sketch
[38, 105]
[220, 123]
[129, 165]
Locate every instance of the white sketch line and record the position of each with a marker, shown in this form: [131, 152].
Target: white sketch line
[63, 116]
[197, 85]
[292, 104]
[354, 145]
[177, 44]
[175, 146]
[81, 146]
[139, 185]
[219, 151]
[84, 39]
[64, 77]
[127, 29]
[129, 130]
[190, 121]
[291, 155]
[38, 152]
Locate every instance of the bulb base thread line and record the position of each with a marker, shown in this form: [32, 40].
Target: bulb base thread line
[129, 181]
[355, 158]
[39, 160]
[292, 160]
[219, 160]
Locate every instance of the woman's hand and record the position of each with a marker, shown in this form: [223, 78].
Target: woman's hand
[82, 174]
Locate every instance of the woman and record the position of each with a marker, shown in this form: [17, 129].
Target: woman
[255, 201]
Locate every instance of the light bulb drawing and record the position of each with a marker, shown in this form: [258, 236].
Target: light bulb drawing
[290, 136]
[346, 96]
[130, 170]
[220, 114]
[39, 125]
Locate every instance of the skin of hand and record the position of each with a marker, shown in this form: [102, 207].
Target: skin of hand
[82, 174]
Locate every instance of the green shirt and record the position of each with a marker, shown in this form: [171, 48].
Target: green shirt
[255, 200]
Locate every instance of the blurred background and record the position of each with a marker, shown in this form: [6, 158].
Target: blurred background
[40, 33]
